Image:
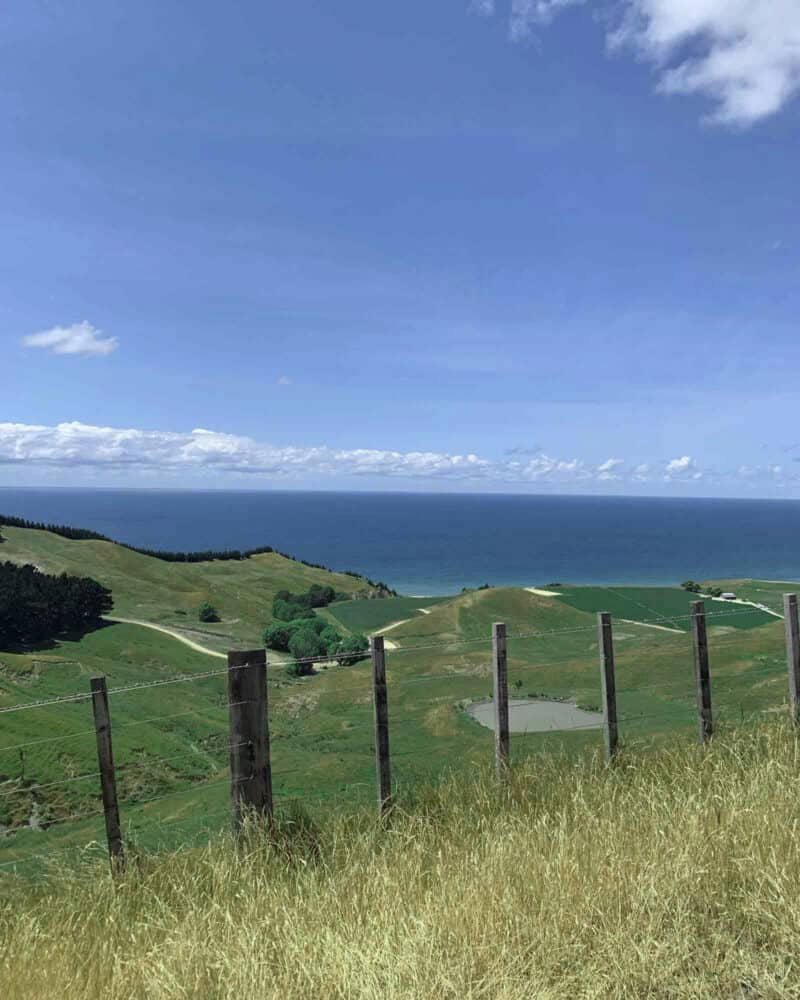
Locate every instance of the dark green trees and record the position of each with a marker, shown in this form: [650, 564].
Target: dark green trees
[277, 635]
[309, 640]
[352, 649]
[287, 606]
[36, 606]
[305, 646]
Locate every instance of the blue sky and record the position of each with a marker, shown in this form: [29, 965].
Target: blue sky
[535, 245]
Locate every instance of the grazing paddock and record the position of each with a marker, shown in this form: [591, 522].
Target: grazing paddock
[669, 605]
[372, 616]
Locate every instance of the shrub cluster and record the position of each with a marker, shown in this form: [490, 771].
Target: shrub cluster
[309, 638]
[36, 606]
[697, 588]
[287, 606]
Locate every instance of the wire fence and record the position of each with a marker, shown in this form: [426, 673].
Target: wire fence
[333, 763]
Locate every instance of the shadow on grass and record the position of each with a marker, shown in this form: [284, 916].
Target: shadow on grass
[52, 642]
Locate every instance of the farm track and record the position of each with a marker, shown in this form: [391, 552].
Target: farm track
[661, 628]
[739, 600]
[168, 631]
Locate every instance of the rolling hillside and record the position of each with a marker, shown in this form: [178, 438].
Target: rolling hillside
[169, 593]
[171, 737]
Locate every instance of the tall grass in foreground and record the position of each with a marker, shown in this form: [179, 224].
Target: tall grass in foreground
[676, 874]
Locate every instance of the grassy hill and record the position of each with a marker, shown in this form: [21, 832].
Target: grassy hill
[169, 593]
[373, 616]
[675, 875]
[170, 740]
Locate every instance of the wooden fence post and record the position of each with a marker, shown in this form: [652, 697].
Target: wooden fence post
[608, 683]
[792, 653]
[108, 781]
[702, 678]
[251, 774]
[380, 703]
[500, 671]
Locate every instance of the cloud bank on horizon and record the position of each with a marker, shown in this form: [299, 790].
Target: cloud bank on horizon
[743, 55]
[73, 445]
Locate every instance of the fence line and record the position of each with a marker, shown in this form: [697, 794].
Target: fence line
[326, 658]
[250, 778]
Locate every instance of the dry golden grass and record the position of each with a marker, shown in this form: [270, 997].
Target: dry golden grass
[676, 874]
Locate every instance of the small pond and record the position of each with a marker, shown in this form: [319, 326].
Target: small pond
[529, 715]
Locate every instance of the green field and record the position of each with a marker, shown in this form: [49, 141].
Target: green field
[667, 606]
[170, 740]
[373, 616]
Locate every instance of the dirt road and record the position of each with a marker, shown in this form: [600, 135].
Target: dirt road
[168, 631]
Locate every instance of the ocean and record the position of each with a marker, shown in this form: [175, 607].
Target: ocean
[426, 544]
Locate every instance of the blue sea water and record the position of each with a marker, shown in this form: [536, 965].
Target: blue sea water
[423, 543]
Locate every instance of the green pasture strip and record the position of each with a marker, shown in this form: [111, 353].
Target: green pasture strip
[670, 606]
[370, 616]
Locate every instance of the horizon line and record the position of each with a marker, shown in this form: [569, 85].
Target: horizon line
[379, 492]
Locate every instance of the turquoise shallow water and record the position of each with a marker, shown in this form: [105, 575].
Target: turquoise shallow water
[425, 543]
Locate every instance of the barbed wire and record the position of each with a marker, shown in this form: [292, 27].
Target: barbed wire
[725, 682]
[92, 732]
[308, 799]
[130, 766]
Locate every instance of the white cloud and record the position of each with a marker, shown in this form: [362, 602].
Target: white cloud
[684, 467]
[202, 453]
[610, 469]
[76, 444]
[285, 380]
[743, 55]
[545, 468]
[80, 338]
